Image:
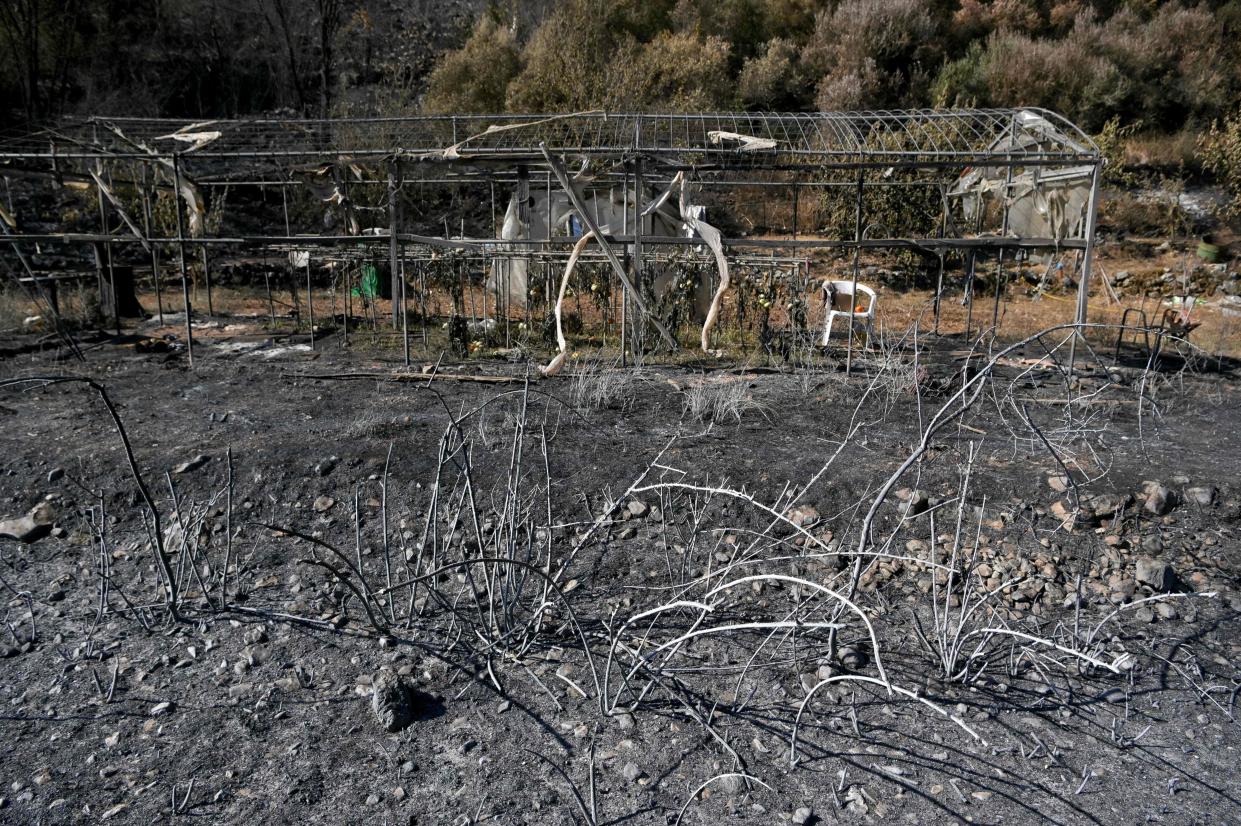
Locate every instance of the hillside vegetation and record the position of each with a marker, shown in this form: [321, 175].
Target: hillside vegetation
[1157, 80]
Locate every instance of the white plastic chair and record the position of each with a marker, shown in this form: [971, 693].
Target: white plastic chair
[833, 292]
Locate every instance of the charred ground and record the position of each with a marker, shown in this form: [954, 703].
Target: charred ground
[654, 641]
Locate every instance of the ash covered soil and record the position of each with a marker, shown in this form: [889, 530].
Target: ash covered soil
[617, 658]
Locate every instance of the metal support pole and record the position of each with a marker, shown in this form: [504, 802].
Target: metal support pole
[284, 204]
[1083, 285]
[147, 223]
[422, 304]
[636, 330]
[105, 259]
[404, 314]
[185, 279]
[396, 279]
[999, 288]
[271, 305]
[999, 261]
[943, 232]
[969, 296]
[969, 283]
[392, 242]
[796, 191]
[310, 302]
[624, 308]
[207, 279]
[857, 234]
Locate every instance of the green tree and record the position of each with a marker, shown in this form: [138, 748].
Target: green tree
[774, 80]
[566, 61]
[874, 54]
[676, 71]
[475, 78]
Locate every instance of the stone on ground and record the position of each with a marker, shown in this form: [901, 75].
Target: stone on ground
[391, 701]
[1155, 573]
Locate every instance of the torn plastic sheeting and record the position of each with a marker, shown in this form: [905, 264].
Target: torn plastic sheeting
[331, 191]
[557, 363]
[510, 273]
[452, 153]
[748, 143]
[1049, 206]
[194, 207]
[189, 191]
[532, 215]
[714, 240]
[193, 135]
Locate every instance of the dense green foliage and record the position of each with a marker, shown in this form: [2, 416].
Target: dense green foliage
[1158, 66]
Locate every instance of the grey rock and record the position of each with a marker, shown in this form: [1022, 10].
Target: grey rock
[324, 504]
[631, 772]
[192, 465]
[1202, 495]
[803, 516]
[24, 529]
[1113, 695]
[852, 657]
[32, 527]
[916, 503]
[803, 815]
[732, 784]
[1159, 499]
[1109, 504]
[391, 701]
[1155, 573]
[638, 508]
[327, 465]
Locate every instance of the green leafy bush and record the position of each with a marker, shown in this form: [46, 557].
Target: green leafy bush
[475, 78]
[1221, 154]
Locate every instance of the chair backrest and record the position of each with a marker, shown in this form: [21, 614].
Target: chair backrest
[844, 289]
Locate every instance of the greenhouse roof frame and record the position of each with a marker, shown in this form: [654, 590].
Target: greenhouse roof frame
[902, 138]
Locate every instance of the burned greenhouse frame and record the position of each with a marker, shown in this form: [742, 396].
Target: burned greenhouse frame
[1006, 181]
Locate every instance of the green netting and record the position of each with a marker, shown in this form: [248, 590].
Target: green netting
[369, 288]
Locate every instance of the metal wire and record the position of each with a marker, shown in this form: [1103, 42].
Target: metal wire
[898, 137]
